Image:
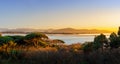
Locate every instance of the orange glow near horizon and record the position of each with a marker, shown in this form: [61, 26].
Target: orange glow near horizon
[103, 19]
[102, 28]
[77, 14]
[112, 29]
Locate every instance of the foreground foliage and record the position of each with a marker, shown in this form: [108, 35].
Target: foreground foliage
[37, 48]
[52, 55]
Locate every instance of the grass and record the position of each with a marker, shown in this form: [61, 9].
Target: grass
[59, 55]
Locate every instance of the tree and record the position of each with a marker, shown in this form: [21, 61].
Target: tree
[100, 41]
[38, 35]
[114, 40]
[35, 38]
[119, 32]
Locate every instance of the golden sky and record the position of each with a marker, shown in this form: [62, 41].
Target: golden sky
[55, 14]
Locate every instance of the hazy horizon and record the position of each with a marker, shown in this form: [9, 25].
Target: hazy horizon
[57, 14]
[58, 30]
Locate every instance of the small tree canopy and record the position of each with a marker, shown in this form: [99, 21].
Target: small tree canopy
[114, 40]
[100, 40]
[36, 35]
[35, 38]
[5, 39]
[113, 37]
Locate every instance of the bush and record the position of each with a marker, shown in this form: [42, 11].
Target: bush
[114, 40]
[5, 39]
[87, 47]
[100, 41]
[18, 39]
[35, 38]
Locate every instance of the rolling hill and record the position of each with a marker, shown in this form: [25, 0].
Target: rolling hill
[55, 31]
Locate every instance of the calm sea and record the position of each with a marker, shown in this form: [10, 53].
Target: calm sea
[70, 38]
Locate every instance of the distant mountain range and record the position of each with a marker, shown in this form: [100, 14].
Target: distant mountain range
[54, 31]
[80, 31]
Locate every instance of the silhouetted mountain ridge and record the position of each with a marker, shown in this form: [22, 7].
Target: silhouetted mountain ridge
[81, 31]
[63, 30]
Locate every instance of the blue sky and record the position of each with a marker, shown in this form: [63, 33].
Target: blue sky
[45, 14]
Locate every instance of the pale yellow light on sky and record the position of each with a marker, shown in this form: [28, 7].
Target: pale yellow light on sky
[98, 19]
[55, 14]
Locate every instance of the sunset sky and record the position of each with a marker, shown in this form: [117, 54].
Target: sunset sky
[55, 14]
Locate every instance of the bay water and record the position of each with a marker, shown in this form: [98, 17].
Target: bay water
[70, 38]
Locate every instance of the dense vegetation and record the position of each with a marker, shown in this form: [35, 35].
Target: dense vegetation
[37, 48]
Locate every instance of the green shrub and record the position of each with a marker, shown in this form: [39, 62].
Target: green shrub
[18, 39]
[35, 38]
[5, 39]
[99, 41]
[87, 47]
